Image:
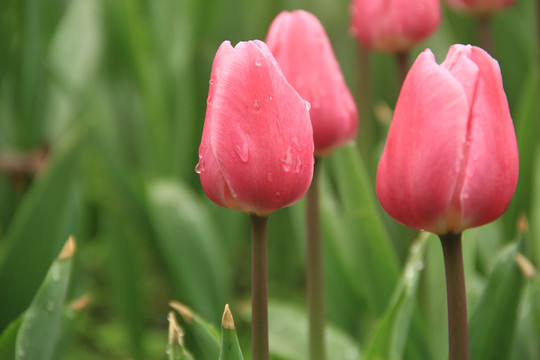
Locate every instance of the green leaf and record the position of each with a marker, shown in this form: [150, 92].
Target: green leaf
[492, 324]
[41, 327]
[376, 265]
[388, 341]
[175, 348]
[190, 246]
[8, 339]
[43, 221]
[288, 335]
[206, 335]
[230, 348]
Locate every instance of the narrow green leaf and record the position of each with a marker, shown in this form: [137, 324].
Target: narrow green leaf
[492, 324]
[8, 339]
[190, 246]
[206, 335]
[41, 326]
[376, 261]
[230, 348]
[175, 348]
[388, 341]
[288, 336]
[41, 224]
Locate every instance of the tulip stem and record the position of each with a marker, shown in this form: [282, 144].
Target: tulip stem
[402, 59]
[458, 335]
[259, 289]
[485, 36]
[314, 270]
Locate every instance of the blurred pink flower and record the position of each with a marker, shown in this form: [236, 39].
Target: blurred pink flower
[394, 25]
[303, 51]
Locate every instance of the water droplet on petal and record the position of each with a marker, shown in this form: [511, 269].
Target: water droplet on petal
[211, 82]
[258, 61]
[307, 104]
[256, 106]
[271, 98]
[278, 195]
[286, 161]
[242, 152]
[233, 193]
[297, 145]
[298, 165]
[198, 168]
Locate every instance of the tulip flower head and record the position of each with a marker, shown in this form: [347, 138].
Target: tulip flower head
[480, 7]
[394, 25]
[256, 153]
[451, 158]
[304, 53]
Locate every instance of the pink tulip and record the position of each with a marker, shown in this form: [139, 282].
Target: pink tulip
[451, 157]
[480, 7]
[302, 49]
[256, 153]
[394, 25]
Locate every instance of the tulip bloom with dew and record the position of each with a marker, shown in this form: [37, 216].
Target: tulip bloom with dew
[394, 25]
[480, 7]
[256, 153]
[451, 161]
[451, 158]
[303, 51]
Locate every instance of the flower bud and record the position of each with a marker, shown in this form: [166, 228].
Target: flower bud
[451, 158]
[394, 25]
[480, 7]
[304, 53]
[256, 153]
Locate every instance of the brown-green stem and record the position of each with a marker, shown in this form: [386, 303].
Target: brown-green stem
[458, 333]
[314, 270]
[259, 289]
[402, 59]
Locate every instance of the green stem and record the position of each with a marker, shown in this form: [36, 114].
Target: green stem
[485, 36]
[402, 59]
[259, 289]
[365, 125]
[314, 270]
[458, 333]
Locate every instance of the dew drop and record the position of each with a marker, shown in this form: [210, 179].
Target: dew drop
[211, 82]
[277, 195]
[256, 106]
[258, 61]
[242, 152]
[298, 165]
[271, 98]
[307, 104]
[198, 168]
[50, 306]
[297, 145]
[55, 273]
[286, 161]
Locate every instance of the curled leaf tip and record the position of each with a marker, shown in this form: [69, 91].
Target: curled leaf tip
[227, 321]
[81, 303]
[175, 331]
[526, 266]
[522, 224]
[183, 310]
[69, 249]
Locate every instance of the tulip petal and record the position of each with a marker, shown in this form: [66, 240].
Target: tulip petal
[493, 165]
[419, 168]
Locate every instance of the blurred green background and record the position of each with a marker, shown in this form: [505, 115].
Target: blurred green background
[107, 98]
